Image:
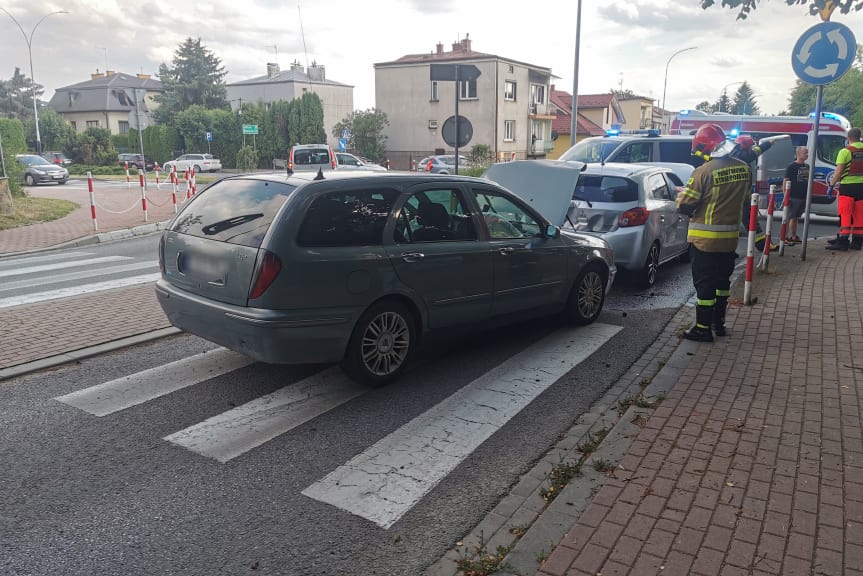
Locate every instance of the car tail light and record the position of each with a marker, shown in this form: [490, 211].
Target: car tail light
[265, 275]
[633, 217]
[429, 166]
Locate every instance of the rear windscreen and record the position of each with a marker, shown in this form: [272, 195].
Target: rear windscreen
[237, 211]
[311, 156]
[595, 188]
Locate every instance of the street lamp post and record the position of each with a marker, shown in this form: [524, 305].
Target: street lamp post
[724, 91]
[665, 82]
[29, 41]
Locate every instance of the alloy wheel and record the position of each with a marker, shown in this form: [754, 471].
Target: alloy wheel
[590, 293]
[385, 343]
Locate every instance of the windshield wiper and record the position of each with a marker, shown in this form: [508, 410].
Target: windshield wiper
[223, 225]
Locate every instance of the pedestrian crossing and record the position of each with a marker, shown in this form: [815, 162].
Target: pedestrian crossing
[49, 276]
[385, 481]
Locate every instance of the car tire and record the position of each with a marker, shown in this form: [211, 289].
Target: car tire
[587, 296]
[686, 256]
[647, 275]
[29, 180]
[197, 169]
[381, 344]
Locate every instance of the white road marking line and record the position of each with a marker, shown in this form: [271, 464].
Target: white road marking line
[128, 391]
[57, 278]
[389, 478]
[60, 265]
[237, 431]
[77, 290]
[9, 262]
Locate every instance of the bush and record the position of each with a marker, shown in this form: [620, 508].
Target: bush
[247, 159]
[12, 133]
[82, 169]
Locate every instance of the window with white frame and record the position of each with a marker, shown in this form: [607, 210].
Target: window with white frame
[537, 94]
[92, 123]
[508, 130]
[434, 96]
[123, 126]
[467, 90]
[509, 90]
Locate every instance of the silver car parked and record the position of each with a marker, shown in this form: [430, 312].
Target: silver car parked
[356, 266]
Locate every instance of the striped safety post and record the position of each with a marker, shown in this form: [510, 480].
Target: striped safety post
[768, 237]
[173, 174]
[156, 168]
[188, 181]
[92, 201]
[194, 184]
[783, 230]
[750, 251]
[128, 179]
[143, 194]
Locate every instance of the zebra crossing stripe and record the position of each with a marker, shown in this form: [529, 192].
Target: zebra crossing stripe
[227, 435]
[384, 482]
[77, 290]
[141, 387]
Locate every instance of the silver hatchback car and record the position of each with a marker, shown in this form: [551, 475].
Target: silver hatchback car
[357, 266]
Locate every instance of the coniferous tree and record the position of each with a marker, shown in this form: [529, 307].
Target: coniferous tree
[195, 77]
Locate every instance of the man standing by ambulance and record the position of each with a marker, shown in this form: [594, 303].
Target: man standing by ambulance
[849, 177]
[713, 200]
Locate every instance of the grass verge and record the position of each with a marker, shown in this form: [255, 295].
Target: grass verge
[30, 210]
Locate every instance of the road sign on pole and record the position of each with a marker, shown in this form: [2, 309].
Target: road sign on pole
[250, 128]
[343, 144]
[454, 72]
[824, 53]
[209, 136]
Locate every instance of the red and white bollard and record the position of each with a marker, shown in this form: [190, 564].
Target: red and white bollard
[188, 182]
[413, 165]
[173, 174]
[128, 179]
[156, 168]
[194, 184]
[143, 194]
[768, 237]
[92, 201]
[783, 230]
[750, 250]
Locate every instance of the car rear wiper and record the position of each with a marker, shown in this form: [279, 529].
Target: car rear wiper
[576, 197]
[223, 225]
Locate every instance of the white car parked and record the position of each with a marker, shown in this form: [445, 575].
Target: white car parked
[351, 162]
[200, 162]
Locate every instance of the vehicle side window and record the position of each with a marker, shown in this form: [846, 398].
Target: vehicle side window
[434, 216]
[636, 152]
[657, 188]
[673, 182]
[505, 218]
[350, 218]
[678, 152]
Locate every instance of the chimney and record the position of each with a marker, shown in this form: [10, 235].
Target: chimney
[110, 72]
[466, 43]
[97, 75]
[143, 76]
[316, 72]
[456, 46]
[439, 48]
[296, 66]
[272, 70]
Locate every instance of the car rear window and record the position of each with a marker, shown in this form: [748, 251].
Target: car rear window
[350, 218]
[598, 188]
[237, 211]
[311, 156]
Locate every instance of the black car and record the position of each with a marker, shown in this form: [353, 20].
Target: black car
[37, 170]
[136, 161]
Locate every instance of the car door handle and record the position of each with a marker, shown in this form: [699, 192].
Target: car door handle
[412, 256]
[506, 250]
[662, 218]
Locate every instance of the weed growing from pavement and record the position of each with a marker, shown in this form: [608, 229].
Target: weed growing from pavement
[519, 530]
[559, 477]
[481, 562]
[637, 400]
[592, 442]
[603, 466]
[542, 556]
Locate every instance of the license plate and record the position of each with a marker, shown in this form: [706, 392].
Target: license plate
[58, 176]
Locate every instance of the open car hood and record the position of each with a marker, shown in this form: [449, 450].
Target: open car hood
[547, 185]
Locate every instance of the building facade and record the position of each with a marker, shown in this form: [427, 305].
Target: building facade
[639, 113]
[562, 124]
[507, 105]
[337, 99]
[107, 100]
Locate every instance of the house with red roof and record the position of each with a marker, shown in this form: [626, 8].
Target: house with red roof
[596, 114]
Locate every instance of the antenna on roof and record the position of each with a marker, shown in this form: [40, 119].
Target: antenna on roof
[303, 33]
[275, 49]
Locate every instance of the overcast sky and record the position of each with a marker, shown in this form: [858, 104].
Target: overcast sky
[622, 43]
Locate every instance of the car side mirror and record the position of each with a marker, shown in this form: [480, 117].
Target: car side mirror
[552, 231]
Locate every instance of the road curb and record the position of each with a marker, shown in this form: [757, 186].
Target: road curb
[96, 238]
[76, 355]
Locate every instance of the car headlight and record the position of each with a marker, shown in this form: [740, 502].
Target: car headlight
[39, 172]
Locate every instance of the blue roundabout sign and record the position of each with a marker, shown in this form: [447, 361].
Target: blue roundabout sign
[824, 53]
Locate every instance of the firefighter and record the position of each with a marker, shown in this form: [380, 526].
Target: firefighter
[713, 199]
[849, 176]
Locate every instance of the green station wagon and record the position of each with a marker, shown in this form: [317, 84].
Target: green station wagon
[358, 266]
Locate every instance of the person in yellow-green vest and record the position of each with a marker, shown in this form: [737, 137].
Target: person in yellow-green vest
[849, 177]
[713, 199]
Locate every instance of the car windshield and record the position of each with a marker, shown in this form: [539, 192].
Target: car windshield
[590, 150]
[33, 160]
[829, 147]
[598, 188]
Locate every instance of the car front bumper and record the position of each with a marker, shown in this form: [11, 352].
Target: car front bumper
[49, 177]
[273, 336]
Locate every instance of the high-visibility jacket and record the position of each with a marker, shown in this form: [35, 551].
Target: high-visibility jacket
[853, 161]
[713, 198]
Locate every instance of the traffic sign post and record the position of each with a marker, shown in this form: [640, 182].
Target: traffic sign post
[822, 54]
[455, 73]
[209, 139]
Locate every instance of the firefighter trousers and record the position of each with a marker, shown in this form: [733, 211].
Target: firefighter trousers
[711, 275]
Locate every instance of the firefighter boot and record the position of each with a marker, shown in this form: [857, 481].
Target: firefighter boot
[834, 240]
[701, 332]
[841, 244]
[719, 316]
[856, 243]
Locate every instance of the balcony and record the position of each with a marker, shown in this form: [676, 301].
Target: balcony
[541, 147]
[541, 111]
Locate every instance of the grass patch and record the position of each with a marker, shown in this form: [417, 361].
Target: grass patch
[592, 443]
[31, 210]
[603, 466]
[482, 562]
[559, 477]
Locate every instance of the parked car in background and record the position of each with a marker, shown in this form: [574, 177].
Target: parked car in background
[38, 170]
[350, 162]
[57, 158]
[633, 146]
[311, 158]
[442, 164]
[200, 163]
[632, 206]
[355, 267]
[136, 161]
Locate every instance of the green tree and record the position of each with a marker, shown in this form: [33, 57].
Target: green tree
[56, 133]
[195, 77]
[366, 132]
[310, 126]
[12, 134]
[705, 106]
[723, 103]
[744, 101]
[247, 159]
[94, 146]
[841, 96]
[815, 6]
[16, 96]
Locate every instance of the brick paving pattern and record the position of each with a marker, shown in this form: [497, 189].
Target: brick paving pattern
[753, 464]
